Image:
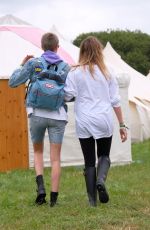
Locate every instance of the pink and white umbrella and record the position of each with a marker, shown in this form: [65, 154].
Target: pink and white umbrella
[17, 39]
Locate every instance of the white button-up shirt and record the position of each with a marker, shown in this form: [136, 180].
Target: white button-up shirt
[94, 101]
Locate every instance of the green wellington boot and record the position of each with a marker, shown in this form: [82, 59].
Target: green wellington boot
[90, 180]
[102, 171]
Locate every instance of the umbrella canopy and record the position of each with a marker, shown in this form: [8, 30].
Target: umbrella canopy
[17, 39]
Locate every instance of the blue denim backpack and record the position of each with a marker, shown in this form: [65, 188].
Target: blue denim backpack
[46, 87]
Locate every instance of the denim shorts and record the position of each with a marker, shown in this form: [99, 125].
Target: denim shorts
[39, 125]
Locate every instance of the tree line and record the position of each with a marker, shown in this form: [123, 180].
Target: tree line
[133, 46]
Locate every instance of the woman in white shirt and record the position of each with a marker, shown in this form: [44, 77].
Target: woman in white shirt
[95, 89]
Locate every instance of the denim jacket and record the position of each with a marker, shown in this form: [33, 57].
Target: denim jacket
[28, 71]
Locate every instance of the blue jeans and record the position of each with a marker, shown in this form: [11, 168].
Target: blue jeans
[39, 125]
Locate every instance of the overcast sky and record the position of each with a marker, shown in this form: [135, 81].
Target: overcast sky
[73, 17]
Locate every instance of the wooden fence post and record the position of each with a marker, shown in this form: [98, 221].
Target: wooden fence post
[14, 151]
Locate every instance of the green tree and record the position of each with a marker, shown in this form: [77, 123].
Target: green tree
[133, 46]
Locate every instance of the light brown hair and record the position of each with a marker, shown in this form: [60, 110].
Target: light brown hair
[91, 54]
[49, 41]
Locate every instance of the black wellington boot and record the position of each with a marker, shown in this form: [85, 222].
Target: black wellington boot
[102, 171]
[90, 180]
[53, 198]
[41, 194]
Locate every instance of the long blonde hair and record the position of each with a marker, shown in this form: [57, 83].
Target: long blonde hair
[91, 54]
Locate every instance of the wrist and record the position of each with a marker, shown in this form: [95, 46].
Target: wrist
[122, 125]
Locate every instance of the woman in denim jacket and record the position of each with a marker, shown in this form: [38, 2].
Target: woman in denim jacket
[42, 119]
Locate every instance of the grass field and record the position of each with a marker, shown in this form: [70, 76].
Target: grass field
[128, 209]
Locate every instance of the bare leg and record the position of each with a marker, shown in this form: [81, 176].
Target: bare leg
[38, 158]
[55, 150]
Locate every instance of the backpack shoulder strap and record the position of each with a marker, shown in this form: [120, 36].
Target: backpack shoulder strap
[44, 63]
[61, 65]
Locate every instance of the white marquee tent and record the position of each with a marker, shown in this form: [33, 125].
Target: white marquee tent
[139, 95]
[148, 75]
[21, 39]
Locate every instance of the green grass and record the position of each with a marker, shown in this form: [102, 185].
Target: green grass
[128, 209]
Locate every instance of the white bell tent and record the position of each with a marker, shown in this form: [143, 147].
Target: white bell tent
[138, 96]
[148, 75]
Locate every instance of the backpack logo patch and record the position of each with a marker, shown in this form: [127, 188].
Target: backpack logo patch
[47, 85]
[38, 69]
